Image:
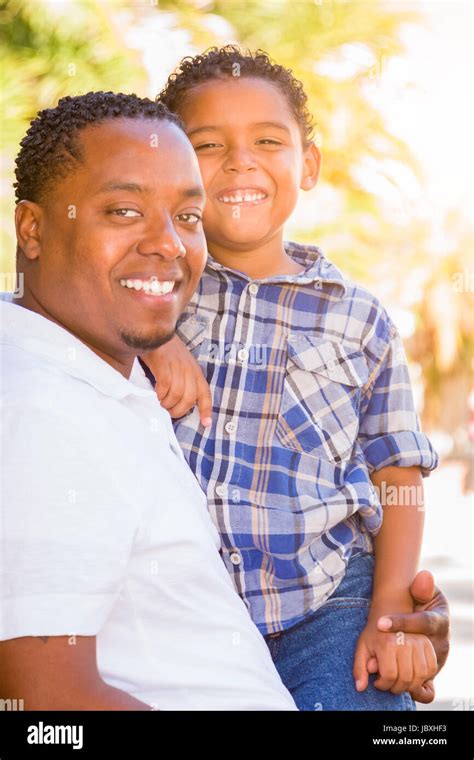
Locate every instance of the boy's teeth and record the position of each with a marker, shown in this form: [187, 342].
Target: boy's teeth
[248, 196]
[152, 286]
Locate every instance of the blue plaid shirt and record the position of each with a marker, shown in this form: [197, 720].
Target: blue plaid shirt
[311, 394]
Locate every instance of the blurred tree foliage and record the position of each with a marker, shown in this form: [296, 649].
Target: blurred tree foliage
[50, 48]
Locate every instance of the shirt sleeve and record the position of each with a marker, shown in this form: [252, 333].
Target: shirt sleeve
[389, 430]
[65, 531]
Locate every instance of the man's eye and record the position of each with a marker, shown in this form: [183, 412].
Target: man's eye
[268, 141]
[189, 218]
[127, 213]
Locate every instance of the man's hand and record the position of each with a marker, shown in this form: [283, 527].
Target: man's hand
[430, 617]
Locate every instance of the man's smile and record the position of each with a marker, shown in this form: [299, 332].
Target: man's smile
[151, 285]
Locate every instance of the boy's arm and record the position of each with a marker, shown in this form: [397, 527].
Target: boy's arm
[49, 673]
[404, 663]
[397, 546]
[180, 383]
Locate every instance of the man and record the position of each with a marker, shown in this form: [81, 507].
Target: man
[113, 593]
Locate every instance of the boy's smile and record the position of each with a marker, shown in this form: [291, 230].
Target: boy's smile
[250, 151]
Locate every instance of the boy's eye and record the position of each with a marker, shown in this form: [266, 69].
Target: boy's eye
[268, 141]
[189, 218]
[207, 145]
[125, 213]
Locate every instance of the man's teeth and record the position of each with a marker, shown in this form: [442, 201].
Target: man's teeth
[246, 196]
[152, 286]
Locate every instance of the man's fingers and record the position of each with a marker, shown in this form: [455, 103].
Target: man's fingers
[422, 587]
[204, 402]
[359, 671]
[424, 693]
[427, 622]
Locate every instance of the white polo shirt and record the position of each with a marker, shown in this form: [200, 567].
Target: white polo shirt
[105, 531]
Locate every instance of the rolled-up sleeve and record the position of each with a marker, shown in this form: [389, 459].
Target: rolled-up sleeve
[389, 430]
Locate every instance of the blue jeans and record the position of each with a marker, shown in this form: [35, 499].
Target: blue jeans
[315, 658]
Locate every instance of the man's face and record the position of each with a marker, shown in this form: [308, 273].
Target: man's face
[251, 158]
[122, 245]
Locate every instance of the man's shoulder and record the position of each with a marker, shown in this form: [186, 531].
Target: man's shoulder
[37, 393]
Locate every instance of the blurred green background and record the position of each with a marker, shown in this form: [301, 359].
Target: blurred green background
[388, 83]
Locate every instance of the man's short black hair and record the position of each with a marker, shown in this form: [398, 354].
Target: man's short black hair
[51, 149]
[231, 62]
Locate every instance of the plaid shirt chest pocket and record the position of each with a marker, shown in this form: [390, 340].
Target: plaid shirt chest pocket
[192, 329]
[322, 390]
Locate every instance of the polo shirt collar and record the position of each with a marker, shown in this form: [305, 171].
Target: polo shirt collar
[38, 335]
[319, 271]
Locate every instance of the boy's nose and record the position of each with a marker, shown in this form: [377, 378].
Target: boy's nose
[239, 161]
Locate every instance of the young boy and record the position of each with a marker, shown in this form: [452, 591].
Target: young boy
[313, 409]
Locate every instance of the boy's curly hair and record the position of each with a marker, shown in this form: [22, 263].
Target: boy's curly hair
[51, 149]
[223, 62]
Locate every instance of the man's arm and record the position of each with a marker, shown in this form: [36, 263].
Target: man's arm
[50, 673]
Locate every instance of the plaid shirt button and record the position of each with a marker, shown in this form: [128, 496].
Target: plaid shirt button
[253, 289]
[230, 427]
[235, 558]
[221, 490]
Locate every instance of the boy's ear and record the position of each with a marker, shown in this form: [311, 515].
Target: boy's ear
[311, 167]
[27, 221]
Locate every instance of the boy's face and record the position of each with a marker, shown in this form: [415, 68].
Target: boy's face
[126, 214]
[251, 157]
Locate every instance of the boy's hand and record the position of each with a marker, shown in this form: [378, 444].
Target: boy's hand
[180, 384]
[429, 617]
[405, 661]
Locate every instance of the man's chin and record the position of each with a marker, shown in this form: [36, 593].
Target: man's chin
[142, 343]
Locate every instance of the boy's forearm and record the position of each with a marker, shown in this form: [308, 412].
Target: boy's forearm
[397, 546]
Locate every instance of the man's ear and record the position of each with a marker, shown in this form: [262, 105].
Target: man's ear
[311, 167]
[27, 222]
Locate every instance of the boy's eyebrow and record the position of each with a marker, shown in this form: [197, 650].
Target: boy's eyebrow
[273, 125]
[270, 124]
[133, 187]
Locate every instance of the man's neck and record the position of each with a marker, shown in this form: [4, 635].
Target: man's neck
[123, 365]
[268, 260]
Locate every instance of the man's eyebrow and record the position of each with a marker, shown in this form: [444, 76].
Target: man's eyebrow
[190, 192]
[194, 192]
[259, 124]
[132, 187]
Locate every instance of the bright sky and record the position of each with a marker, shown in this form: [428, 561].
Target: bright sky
[424, 93]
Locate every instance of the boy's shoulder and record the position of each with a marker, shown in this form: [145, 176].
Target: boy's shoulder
[362, 307]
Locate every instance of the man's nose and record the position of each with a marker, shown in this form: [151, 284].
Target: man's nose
[239, 160]
[162, 240]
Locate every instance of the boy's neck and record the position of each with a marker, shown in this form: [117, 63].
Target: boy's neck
[267, 260]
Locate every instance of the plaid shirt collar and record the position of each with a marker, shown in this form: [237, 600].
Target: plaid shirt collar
[318, 270]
